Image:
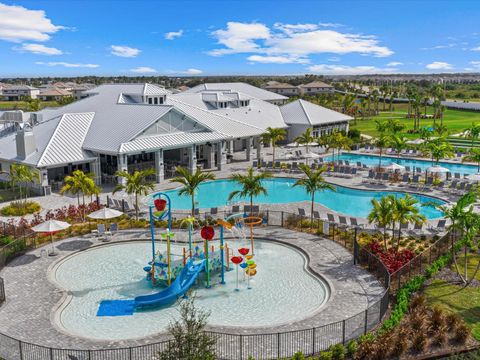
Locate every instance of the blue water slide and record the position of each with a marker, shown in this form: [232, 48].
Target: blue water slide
[178, 288]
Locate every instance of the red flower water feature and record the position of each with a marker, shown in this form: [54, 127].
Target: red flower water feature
[244, 251]
[207, 233]
[237, 259]
[160, 204]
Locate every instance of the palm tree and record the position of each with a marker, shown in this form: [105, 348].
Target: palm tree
[399, 143]
[251, 185]
[22, 175]
[406, 211]
[191, 182]
[312, 182]
[473, 132]
[138, 183]
[381, 142]
[473, 156]
[438, 149]
[273, 135]
[80, 182]
[381, 214]
[306, 138]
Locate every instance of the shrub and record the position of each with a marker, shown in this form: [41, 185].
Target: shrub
[418, 301]
[462, 333]
[352, 348]
[325, 355]
[453, 321]
[400, 344]
[440, 338]
[20, 208]
[338, 352]
[437, 318]
[298, 356]
[419, 341]
[392, 259]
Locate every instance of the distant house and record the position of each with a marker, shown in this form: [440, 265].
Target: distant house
[301, 114]
[17, 92]
[79, 91]
[316, 87]
[54, 94]
[282, 88]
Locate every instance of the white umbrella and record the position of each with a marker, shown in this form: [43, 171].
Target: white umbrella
[295, 144]
[415, 142]
[311, 155]
[51, 227]
[437, 169]
[394, 166]
[105, 213]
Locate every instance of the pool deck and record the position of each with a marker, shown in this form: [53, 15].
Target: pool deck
[31, 298]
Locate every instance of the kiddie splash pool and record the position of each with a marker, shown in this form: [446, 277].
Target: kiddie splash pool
[283, 291]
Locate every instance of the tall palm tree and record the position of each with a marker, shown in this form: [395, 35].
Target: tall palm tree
[138, 183]
[381, 214]
[406, 211]
[312, 182]
[251, 185]
[473, 156]
[438, 149]
[191, 182]
[306, 138]
[473, 132]
[80, 183]
[399, 143]
[20, 175]
[272, 136]
[381, 142]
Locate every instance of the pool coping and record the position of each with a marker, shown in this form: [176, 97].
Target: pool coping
[67, 297]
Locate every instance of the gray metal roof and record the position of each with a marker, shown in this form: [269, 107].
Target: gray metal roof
[307, 113]
[248, 89]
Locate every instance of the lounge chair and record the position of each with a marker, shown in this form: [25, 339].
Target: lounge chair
[417, 229]
[419, 170]
[255, 164]
[407, 169]
[457, 176]
[113, 228]
[110, 202]
[117, 204]
[128, 208]
[440, 226]
[100, 230]
[385, 177]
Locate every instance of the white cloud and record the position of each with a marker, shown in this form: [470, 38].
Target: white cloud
[143, 70]
[39, 49]
[19, 24]
[436, 47]
[68, 65]
[349, 70]
[475, 48]
[293, 41]
[439, 65]
[173, 34]
[124, 51]
[193, 71]
[394, 63]
[277, 59]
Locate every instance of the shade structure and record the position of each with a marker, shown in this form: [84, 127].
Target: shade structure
[311, 155]
[394, 166]
[51, 227]
[295, 144]
[415, 142]
[105, 213]
[474, 177]
[437, 169]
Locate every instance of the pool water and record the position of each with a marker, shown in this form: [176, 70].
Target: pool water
[344, 200]
[281, 292]
[372, 160]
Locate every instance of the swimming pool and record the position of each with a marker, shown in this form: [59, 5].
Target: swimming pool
[283, 291]
[372, 160]
[281, 190]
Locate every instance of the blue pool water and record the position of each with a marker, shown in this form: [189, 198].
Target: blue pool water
[372, 160]
[280, 190]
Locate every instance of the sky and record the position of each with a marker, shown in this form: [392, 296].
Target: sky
[261, 37]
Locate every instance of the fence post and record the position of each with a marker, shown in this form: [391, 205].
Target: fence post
[123, 206]
[268, 216]
[20, 350]
[51, 353]
[241, 347]
[282, 218]
[343, 332]
[301, 223]
[278, 345]
[313, 340]
[366, 322]
[333, 231]
[108, 202]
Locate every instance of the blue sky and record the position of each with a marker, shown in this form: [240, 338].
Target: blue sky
[62, 38]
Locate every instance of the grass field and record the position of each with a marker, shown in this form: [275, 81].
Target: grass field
[458, 299]
[455, 120]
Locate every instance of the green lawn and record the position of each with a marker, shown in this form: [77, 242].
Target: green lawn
[457, 299]
[455, 120]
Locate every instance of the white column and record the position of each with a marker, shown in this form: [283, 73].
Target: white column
[230, 147]
[159, 168]
[259, 149]
[209, 155]
[221, 155]
[249, 148]
[192, 158]
[96, 170]
[122, 165]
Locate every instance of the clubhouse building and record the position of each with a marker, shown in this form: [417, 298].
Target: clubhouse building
[138, 126]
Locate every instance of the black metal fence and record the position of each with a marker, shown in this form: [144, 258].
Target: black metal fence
[236, 346]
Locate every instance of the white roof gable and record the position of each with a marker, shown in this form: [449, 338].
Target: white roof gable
[305, 112]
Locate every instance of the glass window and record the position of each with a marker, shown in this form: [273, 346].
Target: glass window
[150, 100]
[155, 101]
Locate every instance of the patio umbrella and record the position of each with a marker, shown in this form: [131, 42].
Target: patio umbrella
[311, 155]
[105, 213]
[415, 142]
[295, 144]
[394, 166]
[437, 169]
[51, 227]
